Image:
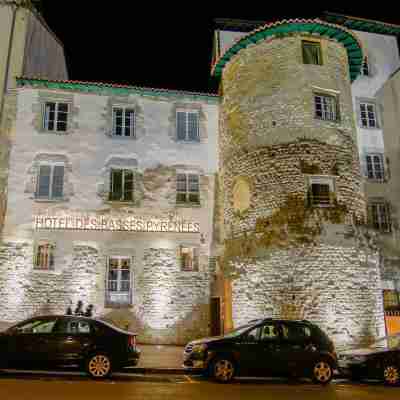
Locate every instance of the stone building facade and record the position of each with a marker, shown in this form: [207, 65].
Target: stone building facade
[98, 212]
[179, 214]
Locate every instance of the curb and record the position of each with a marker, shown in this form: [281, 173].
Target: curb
[156, 371]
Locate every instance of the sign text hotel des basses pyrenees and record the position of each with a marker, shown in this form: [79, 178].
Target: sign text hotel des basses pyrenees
[107, 223]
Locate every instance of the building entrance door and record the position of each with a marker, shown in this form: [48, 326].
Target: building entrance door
[215, 316]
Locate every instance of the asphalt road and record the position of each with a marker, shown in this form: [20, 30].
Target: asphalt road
[25, 386]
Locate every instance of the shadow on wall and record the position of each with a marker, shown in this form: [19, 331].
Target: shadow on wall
[193, 326]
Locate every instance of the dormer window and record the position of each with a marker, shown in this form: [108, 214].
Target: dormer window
[365, 67]
[311, 52]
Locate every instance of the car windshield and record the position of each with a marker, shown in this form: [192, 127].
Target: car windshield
[239, 330]
[390, 342]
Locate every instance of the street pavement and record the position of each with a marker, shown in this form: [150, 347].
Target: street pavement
[76, 386]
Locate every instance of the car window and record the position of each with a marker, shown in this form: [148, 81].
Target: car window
[74, 326]
[296, 333]
[269, 332]
[36, 326]
[252, 335]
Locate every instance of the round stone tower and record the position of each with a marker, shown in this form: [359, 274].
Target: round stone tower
[291, 189]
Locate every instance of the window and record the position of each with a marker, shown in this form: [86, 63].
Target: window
[380, 216]
[325, 107]
[189, 257]
[44, 257]
[73, 326]
[121, 185]
[123, 122]
[269, 333]
[50, 183]
[36, 326]
[187, 189]
[365, 67]
[118, 287]
[55, 116]
[391, 299]
[320, 191]
[311, 53]
[368, 115]
[187, 126]
[296, 333]
[375, 167]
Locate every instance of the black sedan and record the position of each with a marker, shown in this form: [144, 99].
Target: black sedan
[268, 347]
[380, 360]
[68, 341]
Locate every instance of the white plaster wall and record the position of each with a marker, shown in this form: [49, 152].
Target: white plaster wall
[383, 56]
[228, 38]
[88, 148]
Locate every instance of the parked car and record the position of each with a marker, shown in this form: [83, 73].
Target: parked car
[69, 341]
[268, 347]
[380, 360]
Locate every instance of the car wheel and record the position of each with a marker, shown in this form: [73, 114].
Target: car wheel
[322, 371]
[98, 366]
[391, 375]
[223, 369]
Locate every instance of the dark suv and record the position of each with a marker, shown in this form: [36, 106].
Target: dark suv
[268, 347]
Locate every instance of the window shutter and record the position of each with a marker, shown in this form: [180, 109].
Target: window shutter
[128, 186]
[181, 117]
[58, 181]
[196, 256]
[116, 184]
[43, 187]
[193, 126]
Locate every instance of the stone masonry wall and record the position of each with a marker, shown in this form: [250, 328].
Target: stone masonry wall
[26, 292]
[271, 139]
[336, 287]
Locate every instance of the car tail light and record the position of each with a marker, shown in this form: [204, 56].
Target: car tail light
[132, 341]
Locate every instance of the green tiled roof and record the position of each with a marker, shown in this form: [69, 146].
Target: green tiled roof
[111, 88]
[286, 27]
[361, 24]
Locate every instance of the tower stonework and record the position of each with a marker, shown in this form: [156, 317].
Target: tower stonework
[291, 249]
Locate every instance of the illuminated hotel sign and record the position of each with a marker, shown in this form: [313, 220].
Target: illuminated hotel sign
[102, 223]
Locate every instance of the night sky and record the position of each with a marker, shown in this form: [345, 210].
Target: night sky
[122, 41]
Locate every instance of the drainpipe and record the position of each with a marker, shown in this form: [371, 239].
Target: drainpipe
[10, 42]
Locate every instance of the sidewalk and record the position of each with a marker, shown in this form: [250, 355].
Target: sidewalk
[159, 359]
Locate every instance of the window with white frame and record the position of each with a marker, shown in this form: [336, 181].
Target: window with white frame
[121, 185]
[44, 256]
[368, 116]
[189, 258]
[311, 52]
[123, 120]
[187, 126]
[380, 216]
[365, 67]
[50, 182]
[119, 280]
[55, 116]
[187, 188]
[325, 107]
[375, 166]
[320, 191]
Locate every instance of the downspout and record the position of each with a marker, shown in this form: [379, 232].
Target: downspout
[10, 42]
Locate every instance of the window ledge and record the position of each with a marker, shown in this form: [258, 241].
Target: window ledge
[56, 133]
[188, 205]
[121, 202]
[118, 305]
[45, 271]
[122, 137]
[335, 121]
[371, 128]
[188, 141]
[39, 200]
